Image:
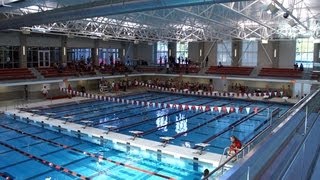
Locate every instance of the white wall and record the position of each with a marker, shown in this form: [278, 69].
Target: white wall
[43, 41]
[80, 43]
[286, 53]
[143, 51]
[212, 54]
[265, 54]
[10, 39]
[194, 51]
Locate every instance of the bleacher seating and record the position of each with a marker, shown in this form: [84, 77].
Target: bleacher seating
[16, 73]
[230, 70]
[53, 72]
[106, 69]
[315, 75]
[281, 72]
[119, 68]
[185, 69]
[149, 69]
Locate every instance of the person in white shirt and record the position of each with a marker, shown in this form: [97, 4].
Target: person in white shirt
[44, 91]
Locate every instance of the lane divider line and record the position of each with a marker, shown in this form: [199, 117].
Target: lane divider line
[98, 157]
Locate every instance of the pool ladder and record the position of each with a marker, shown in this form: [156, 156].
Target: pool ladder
[223, 154]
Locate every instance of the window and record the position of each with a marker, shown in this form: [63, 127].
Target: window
[249, 53]
[224, 53]
[182, 52]
[9, 57]
[162, 52]
[33, 55]
[107, 55]
[79, 54]
[304, 52]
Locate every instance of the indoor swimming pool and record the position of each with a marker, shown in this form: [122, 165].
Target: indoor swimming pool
[185, 127]
[30, 152]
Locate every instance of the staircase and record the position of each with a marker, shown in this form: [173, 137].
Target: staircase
[203, 70]
[255, 72]
[36, 73]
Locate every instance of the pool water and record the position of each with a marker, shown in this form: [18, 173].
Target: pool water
[30, 152]
[187, 127]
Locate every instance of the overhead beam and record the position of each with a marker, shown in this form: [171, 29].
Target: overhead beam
[97, 9]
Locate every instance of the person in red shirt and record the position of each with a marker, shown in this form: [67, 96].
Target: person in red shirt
[235, 146]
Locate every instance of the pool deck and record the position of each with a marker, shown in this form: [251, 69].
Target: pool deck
[144, 144]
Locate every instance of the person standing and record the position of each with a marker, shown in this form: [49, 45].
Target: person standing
[207, 59]
[26, 93]
[44, 91]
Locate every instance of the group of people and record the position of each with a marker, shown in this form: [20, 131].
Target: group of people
[60, 67]
[115, 86]
[297, 67]
[181, 85]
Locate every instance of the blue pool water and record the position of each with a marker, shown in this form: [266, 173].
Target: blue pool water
[187, 127]
[27, 152]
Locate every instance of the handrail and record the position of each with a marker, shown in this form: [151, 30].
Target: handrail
[224, 152]
[247, 145]
[306, 136]
[292, 111]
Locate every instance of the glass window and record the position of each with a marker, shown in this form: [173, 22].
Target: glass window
[9, 56]
[182, 52]
[106, 56]
[79, 54]
[32, 55]
[162, 52]
[224, 53]
[249, 53]
[304, 52]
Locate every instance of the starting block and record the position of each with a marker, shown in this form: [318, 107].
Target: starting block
[86, 123]
[109, 128]
[166, 140]
[34, 111]
[136, 134]
[66, 119]
[50, 114]
[202, 147]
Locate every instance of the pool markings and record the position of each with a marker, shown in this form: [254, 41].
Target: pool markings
[138, 107]
[236, 123]
[200, 125]
[45, 162]
[103, 115]
[82, 105]
[139, 114]
[98, 157]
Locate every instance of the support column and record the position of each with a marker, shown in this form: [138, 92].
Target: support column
[236, 52]
[95, 53]
[316, 58]
[275, 54]
[64, 49]
[23, 51]
[210, 50]
[172, 49]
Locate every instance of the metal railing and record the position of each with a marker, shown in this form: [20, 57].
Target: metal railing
[266, 131]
